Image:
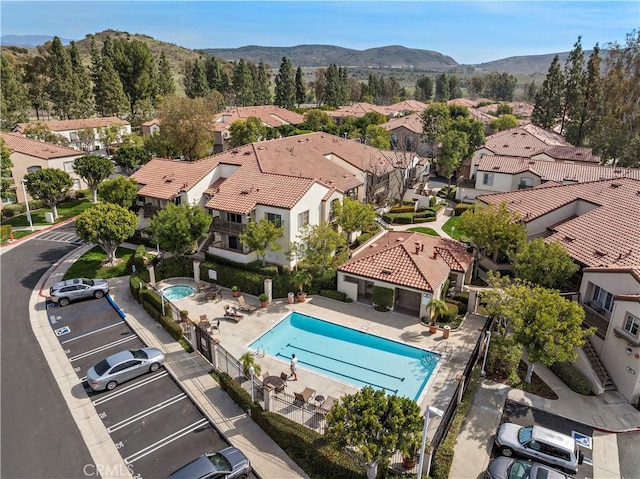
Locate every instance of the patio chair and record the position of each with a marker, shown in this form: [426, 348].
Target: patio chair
[303, 397]
[284, 377]
[203, 317]
[328, 403]
[244, 306]
[215, 327]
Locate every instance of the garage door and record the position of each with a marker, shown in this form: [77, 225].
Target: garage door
[409, 300]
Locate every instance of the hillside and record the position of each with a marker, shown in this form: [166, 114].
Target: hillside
[394, 56]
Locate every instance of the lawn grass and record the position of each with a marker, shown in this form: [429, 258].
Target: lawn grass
[452, 228]
[17, 235]
[66, 210]
[90, 265]
[427, 231]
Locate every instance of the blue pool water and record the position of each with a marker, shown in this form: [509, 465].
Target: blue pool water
[349, 355]
[179, 291]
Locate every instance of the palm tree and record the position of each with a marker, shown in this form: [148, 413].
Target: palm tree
[438, 307]
[247, 360]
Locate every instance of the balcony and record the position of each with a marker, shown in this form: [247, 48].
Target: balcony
[594, 318]
[223, 226]
[466, 183]
[150, 210]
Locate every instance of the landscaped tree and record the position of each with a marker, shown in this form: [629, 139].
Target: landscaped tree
[584, 116]
[107, 225]
[129, 157]
[503, 122]
[285, 96]
[60, 73]
[262, 237]
[83, 105]
[262, 85]
[177, 228]
[108, 136]
[318, 120]
[574, 85]
[6, 181]
[166, 85]
[378, 137]
[453, 149]
[373, 425]
[320, 247]
[135, 64]
[546, 324]
[493, 230]
[49, 185]
[301, 91]
[120, 191]
[352, 215]
[545, 264]
[243, 84]
[108, 90]
[247, 131]
[13, 97]
[424, 89]
[186, 124]
[93, 169]
[435, 119]
[548, 107]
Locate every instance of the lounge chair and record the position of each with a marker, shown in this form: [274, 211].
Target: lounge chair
[231, 314]
[244, 306]
[328, 403]
[303, 397]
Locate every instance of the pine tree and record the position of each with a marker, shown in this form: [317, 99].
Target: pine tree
[285, 85]
[343, 85]
[110, 97]
[574, 80]
[332, 89]
[424, 89]
[13, 100]
[166, 85]
[454, 87]
[35, 78]
[442, 88]
[60, 73]
[301, 92]
[243, 84]
[262, 84]
[198, 84]
[83, 105]
[134, 63]
[548, 106]
[581, 131]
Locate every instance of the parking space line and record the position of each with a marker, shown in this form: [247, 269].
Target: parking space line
[146, 412]
[102, 348]
[164, 441]
[92, 332]
[126, 389]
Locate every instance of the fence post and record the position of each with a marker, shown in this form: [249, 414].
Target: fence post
[214, 354]
[267, 398]
[461, 389]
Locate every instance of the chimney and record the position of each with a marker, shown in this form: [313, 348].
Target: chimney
[417, 248]
[421, 246]
[435, 254]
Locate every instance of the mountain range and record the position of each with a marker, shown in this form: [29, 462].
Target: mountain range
[313, 56]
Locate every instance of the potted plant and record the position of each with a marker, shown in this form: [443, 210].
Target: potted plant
[235, 291]
[300, 279]
[247, 360]
[264, 300]
[438, 307]
[184, 315]
[411, 451]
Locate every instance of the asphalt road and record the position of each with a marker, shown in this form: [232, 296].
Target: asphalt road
[39, 436]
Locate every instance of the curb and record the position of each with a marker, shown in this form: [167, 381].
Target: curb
[37, 232]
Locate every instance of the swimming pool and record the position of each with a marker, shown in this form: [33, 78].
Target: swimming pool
[351, 356]
[179, 291]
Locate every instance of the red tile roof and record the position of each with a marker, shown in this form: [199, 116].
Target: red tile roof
[358, 110]
[573, 153]
[554, 170]
[412, 122]
[604, 236]
[525, 141]
[65, 125]
[393, 258]
[270, 115]
[39, 149]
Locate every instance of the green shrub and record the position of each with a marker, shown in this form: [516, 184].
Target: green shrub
[5, 231]
[461, 208]
[82, 194]
[402, 209]
[171, 326]
[572, 377]
[135, 285]
[137, 238]
[450, 314]
[333, 294]
[433, 201]
[503, 358]
[362, 239]
[403, 220]
[382, 298]
[140, 258]
[16, 209]
[425, 214]
[176, 266]
[461, 305]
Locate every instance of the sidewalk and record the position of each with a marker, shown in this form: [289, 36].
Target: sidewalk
[191, 370]
[604, 413]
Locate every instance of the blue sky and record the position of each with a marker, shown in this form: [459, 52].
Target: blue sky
[468, 31]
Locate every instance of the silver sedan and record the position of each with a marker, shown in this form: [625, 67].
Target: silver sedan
[123, 366]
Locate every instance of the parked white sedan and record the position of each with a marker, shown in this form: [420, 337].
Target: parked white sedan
[123, 366]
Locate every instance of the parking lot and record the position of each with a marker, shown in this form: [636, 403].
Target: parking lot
[523, 415]
[152, 422]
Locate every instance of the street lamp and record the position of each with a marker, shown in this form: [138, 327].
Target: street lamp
[26, 202]
[483, 373]
[251, 373]
[436, 412]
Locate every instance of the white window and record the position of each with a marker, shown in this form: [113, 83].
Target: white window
[525, 183]
[73, 135]
[487, 179]
[303, 219]
[68, 166]
[274, 218]
[632, 325]
[31, 169]
[604, 298]
[76, 184]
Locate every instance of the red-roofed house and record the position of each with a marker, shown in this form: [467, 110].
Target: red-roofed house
[293, 181]
[598, 223]
[29, 155]
[416, 266]
[71, 130]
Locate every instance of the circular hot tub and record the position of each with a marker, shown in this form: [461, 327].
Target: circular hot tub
[179, 291]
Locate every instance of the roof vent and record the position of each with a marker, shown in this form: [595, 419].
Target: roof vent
[615, 185]
[600, 253]
[568, 239]
[246, 153]
[400, 238]
[496, 167]
[386, 271]
[373, 245]
[505, 146]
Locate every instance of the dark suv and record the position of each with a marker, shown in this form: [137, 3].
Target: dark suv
[79, 288]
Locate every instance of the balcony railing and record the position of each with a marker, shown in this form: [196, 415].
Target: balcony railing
[593, 318]
[467, 183]
[224, 226]
[150, 210]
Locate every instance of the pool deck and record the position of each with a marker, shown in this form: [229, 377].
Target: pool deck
[236, 337]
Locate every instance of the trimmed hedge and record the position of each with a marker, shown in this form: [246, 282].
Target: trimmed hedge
[5, 231]
[461, 299]
[461, 208]
[382, 298]
[572, 377]
[450, 315]
[17, 209]
[333, 294]
[402, 209]
[135, 286]
[171, 326]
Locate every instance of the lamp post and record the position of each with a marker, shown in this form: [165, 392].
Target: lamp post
[26, 202]
[483, 373]
[436, 412]
[162, 300]
[251, 373]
